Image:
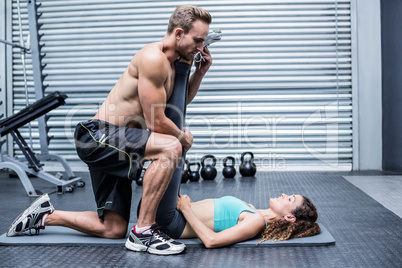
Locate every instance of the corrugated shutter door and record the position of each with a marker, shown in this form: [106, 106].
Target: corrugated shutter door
[280, 85]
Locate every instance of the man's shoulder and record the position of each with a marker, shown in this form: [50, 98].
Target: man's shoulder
[151, 62]
[152, 53]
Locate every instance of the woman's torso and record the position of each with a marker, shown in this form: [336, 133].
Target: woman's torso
[205, 212]
[228, 212]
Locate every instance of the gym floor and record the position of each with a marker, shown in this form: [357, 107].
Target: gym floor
[362, 210]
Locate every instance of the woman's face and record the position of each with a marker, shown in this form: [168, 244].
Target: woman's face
[285, 204]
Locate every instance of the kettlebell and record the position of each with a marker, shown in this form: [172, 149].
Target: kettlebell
[208, 172]
[194, 175]
[185, 174]
[229, 171]
[247, 167]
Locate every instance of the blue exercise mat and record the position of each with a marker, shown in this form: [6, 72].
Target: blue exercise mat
[61, 236]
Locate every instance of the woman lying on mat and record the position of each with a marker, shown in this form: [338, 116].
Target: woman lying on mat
[228, 220]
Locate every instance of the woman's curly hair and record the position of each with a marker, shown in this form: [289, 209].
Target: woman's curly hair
[305, 224]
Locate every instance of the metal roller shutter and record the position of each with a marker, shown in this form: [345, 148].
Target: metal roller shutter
[280, 85]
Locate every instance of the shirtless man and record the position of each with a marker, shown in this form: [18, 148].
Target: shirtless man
[129, 128]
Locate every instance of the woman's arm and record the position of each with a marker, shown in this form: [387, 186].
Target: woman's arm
[246, 229]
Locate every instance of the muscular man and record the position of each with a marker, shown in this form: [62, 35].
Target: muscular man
[129, 128]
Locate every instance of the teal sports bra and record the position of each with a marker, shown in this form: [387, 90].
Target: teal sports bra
[227, 211]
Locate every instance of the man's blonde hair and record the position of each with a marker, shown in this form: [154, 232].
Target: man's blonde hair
[185, 15]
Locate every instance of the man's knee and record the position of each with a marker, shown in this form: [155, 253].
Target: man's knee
[173, 150]
[115, 226]
[116, 233]
[176, 151]
[163, 147]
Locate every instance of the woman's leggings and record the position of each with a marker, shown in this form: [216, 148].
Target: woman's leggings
[167, 216]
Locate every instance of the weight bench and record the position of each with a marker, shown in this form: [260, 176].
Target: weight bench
[11, 124]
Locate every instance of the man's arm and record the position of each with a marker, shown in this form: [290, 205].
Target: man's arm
[153, 74]
[200, 71]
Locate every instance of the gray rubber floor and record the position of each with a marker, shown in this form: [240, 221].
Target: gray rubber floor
[387, 190]
[366, 233]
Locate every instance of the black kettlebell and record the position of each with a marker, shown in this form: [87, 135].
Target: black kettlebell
[229, 171]
[247, 167]
[208, 172]
[194, 175]
[185, 174]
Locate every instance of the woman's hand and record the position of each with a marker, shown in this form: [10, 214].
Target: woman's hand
[183, 202]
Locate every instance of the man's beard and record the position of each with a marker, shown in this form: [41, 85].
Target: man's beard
[184, 56]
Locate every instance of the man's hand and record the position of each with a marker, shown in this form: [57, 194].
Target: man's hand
[186, 140]
[204, 65]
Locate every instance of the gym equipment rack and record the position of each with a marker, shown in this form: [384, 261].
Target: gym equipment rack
[36, 110]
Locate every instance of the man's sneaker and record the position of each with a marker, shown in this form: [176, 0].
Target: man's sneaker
[213, 36]
[154, 241]
[31, 218]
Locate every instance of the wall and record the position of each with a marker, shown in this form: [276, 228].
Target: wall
[367, 153]
[280, 85]
[367, 115]
[391, 38]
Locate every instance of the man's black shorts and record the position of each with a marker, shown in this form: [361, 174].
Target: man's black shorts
[113, 155]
